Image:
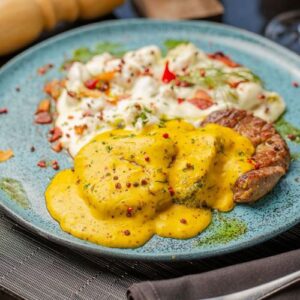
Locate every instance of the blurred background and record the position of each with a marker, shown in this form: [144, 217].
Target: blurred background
[24, 23]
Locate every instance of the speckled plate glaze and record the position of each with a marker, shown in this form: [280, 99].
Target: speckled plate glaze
[277, 66]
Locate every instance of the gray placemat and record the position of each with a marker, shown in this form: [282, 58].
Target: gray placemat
[34, 268]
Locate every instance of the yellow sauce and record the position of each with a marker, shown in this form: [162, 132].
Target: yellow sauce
[126, 187]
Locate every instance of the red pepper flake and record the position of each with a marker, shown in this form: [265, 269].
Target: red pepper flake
[128, 184]
[88, 113]
[126, 232]
[292, 137]
[135, 184]
[129, 212]
[235, 84]
[42, 164]
[261, 97]
[295, 84]
[171, 191]
[43, 118]
[168, 75]
[42, 70]
[220, 56]
[144, 182]
[55, 165]
[57, 147]
[91, 84]
[118, 185]
[3, 110]
[56, 134]
[165, 135]
[202, 72]
[182, 83]
[183, 221]
[180, 100]
[253, 163]
[147, 158]
[72, 94]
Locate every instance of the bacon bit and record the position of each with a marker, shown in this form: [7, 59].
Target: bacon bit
[295, 84]
[128, 184]
[171, 191]
[146, 72]
[53, 88]
[129, 211]
[126, 232]
[79, 129]
[147, 158]
[56, 134]
[42, 164]
[3, 110]
[72, 94]
[57, 147]
[261, 97]
[43, 118]
[202, 72]
[165, 135]
[88, 113]
[42, 70]
[168, 75]
[183, 221]
[6, 155]
[43, 106]
[234, 85]
[180, 100]
[32, 149]
[202, 100]
[292, 137]
[253, 163]
[220, 56]
[55, 165]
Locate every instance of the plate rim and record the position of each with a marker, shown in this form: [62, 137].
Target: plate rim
[117, 252]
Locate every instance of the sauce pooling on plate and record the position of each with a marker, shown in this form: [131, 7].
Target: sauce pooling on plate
[144, 87]
[128, 186]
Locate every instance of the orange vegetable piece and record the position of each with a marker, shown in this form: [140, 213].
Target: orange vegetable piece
[6, 155]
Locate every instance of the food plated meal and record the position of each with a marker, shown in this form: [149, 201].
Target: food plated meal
[46, 149]
[158, 142]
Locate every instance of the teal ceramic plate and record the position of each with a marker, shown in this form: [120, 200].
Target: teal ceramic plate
[245, 226]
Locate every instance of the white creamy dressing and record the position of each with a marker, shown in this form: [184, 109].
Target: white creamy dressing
[137, 96]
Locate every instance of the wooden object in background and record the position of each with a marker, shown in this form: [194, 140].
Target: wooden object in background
[179, 9]
[22, 21]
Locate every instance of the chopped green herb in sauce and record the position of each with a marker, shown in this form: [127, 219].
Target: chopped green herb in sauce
[15, 190]
[84, 54]
[287, 130]
[170, 44]
[223, 230]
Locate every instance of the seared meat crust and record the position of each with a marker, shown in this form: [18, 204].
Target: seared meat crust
[271, 158]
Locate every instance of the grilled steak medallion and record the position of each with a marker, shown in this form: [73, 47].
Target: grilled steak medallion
[271, 158]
